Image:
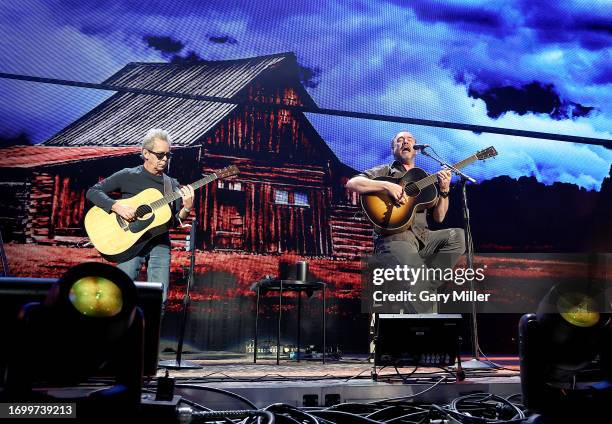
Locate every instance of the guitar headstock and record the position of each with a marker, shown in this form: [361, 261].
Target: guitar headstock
[487, 153]
[228, 171]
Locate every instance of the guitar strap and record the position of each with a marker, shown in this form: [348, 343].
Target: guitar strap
[167, 185]
[168, 189]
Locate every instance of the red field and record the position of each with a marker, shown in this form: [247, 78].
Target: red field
[238, 271]
[30, 260]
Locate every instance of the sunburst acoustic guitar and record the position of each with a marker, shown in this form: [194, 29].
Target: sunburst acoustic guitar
[388, 217]
[119, 240]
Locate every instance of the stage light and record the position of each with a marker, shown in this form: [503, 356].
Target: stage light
[578, 309]
[96, 297]
[94, 290]
[566, 355]
[88, 324]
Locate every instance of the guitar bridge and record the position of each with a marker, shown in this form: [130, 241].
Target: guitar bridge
[123, 224]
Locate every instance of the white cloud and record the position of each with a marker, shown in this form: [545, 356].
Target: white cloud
[375, 57]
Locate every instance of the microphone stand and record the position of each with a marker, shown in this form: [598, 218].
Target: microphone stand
[178, 364]
[475, 363]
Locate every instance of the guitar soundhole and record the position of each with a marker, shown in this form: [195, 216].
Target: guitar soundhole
[143, 210]
[411, 190]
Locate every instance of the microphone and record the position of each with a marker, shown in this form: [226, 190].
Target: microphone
[420, 146]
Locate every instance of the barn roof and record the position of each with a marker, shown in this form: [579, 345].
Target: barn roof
[39, 156]
[124, 118]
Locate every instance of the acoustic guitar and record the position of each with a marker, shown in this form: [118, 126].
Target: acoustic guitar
[389, 217]
[119, 240]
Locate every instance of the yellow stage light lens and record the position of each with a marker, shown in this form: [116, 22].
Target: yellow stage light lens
[96, 297]
[578, 309]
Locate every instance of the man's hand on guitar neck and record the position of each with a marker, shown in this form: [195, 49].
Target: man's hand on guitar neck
[187, 193]
[124, 211]
[444, 179]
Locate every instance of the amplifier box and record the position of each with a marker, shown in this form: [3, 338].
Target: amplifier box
[429, 340]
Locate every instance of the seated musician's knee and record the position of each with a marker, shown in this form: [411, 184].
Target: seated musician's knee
[456, 238]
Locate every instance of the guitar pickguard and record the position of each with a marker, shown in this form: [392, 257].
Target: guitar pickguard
[141, 224]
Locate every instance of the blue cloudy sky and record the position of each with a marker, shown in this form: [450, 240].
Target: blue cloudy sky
[531, 65]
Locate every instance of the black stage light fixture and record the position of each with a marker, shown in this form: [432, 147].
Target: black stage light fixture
[17, 291]
[88, 321]
[566, 356]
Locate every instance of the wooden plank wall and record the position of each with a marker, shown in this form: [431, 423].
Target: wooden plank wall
[14, 192]
[40, 206]
[279, 132]
[351, 232]
[271, 227]
[68, 207]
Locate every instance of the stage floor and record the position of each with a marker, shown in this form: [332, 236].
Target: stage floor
[311, 383]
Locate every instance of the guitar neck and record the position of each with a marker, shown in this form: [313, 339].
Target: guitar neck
[169, 198]
[430, 179]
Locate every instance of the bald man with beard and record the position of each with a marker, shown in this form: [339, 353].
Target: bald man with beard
[417, 245]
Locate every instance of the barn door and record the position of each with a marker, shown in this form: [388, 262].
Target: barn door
[229, 234]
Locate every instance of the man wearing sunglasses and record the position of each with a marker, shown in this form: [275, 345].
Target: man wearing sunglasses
[131, 181]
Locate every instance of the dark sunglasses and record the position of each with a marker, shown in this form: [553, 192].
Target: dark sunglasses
[160, 155]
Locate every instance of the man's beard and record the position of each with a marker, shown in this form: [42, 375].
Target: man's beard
[405, 160]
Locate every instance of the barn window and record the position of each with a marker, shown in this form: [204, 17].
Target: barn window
[229, 185]
[290, 97]
[284, 116]
[298, 198]
[301, 199]
[281, 197]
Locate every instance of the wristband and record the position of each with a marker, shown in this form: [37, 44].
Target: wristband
[444, 194]
[186, 209]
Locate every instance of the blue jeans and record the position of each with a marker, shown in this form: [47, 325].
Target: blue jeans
[157, 259]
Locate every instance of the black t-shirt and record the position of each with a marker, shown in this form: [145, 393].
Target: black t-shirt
[129, 182]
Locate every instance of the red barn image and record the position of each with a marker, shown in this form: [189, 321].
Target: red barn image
[288, 201]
